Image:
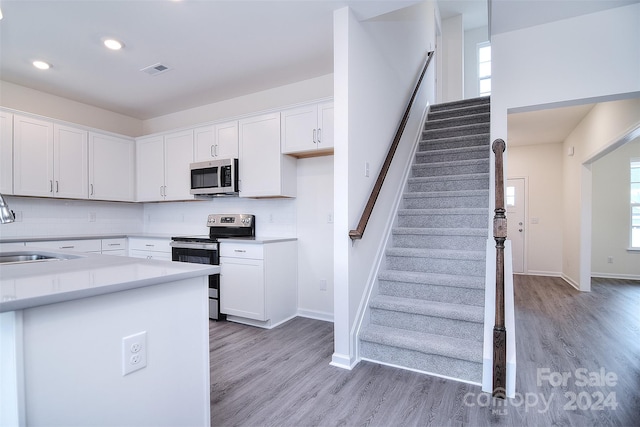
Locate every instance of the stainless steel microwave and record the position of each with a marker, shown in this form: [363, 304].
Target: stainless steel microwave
[214, 177]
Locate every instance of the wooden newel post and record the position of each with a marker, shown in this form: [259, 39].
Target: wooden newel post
[500, 235]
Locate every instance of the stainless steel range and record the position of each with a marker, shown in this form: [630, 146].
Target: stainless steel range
[205, 249]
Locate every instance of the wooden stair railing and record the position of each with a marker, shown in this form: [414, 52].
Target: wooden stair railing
[368, 209]
[500, 235]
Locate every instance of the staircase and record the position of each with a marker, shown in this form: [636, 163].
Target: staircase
[428, 313]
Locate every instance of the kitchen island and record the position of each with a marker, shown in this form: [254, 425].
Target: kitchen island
[66, 328]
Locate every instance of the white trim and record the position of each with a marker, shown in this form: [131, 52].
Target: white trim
[342, 361]
[421, 371]
[570, 281]
[616, 276]
[317, 315]
[542, 273]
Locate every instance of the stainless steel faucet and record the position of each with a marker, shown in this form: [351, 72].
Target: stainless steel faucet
[6, 214]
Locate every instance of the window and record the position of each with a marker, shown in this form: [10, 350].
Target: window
[484, 68]
[635, 203]
[511, 196]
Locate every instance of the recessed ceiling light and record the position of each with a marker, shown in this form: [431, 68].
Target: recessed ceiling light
[41, 65]
[113, 44]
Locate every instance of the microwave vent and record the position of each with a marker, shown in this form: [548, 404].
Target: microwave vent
[154, 70]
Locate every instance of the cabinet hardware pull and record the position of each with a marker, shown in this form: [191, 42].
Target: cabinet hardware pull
[239, 250]
[212, 151]
[50, 186]
[57, 186]
[314, 136]
[92, 189]
[151, 246]
[319, 135]
[67, 247]
[114, 244]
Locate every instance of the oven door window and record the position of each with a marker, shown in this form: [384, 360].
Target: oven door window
[196, 256]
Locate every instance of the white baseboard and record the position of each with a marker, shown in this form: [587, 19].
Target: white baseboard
[542, 273]
[342, 361]
[616, 276]
[318, 315]
[570, 281]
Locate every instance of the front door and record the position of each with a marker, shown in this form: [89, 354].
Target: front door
[515, 205]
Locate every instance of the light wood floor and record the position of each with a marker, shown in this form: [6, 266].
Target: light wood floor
[282, 377]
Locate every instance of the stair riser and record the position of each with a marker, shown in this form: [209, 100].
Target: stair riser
[462, 142]
[431, 292]
[436, 265]
[455, 131]
[459, 104]
[449, 185]
[446, 202]
[440, 365]
[447, 114]
[471, 243]
[437, 169]
[444, 221]
[471, 119]
[428, 324]
[438, 156]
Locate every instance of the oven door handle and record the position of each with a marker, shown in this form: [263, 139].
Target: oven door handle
[193, 245]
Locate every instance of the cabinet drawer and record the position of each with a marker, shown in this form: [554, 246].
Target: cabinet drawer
[241, 250]
[149, 244]
[114, 244]
[70, 245]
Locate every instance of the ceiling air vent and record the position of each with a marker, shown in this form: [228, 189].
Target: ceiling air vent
[155, 69]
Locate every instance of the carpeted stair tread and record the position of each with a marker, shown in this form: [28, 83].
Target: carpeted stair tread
[454, 348]
[485, 100]
[467, 313]
[464, 177]
[463, 130]
[436, 253]
[444, 211]
[481, 148]
[480, 118]
[460, 111]
[432, 231]
[452, 280]
[452, 193]
[451, 163]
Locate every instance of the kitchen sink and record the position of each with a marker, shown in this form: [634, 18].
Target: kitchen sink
[25, 257]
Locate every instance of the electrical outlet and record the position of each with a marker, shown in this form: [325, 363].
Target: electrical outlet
[92, 217]
[366, 169]
[610, 260]
[134, 352]
[323, 284]
[330, 218]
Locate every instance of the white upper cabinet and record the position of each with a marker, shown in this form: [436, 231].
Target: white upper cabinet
[219, 141]
[6, 152]
[308, 130]
[264, 171]
[70, 166]
[162, 167]
[49, 160]
[111, 168]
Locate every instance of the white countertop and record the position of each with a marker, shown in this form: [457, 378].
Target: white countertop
[46, 282]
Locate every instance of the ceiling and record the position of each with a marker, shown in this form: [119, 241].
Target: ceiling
[544, 126]
[215, 49]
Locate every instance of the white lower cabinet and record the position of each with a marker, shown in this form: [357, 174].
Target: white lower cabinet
[80, 245]
[150, 248]
[258, 282]
[117, 246]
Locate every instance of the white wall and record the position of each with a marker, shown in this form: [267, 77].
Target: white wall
[603, 127]
[41, 217]
[453, 59]
[541, 165]
[376, 64]
[611, 215]
[303, 91]
[471, 40]
[591, 57]
[32, 101]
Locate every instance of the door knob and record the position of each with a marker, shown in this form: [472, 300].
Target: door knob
[520, 230]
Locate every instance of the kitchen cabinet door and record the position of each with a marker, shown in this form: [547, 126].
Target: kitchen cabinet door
[6, 152]
[219, 141]
[242, 290]
[264, 171]
[111, 168]
[70, 166]
[32, 157]
[150, 169]
[308, 130]
[178, 155]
